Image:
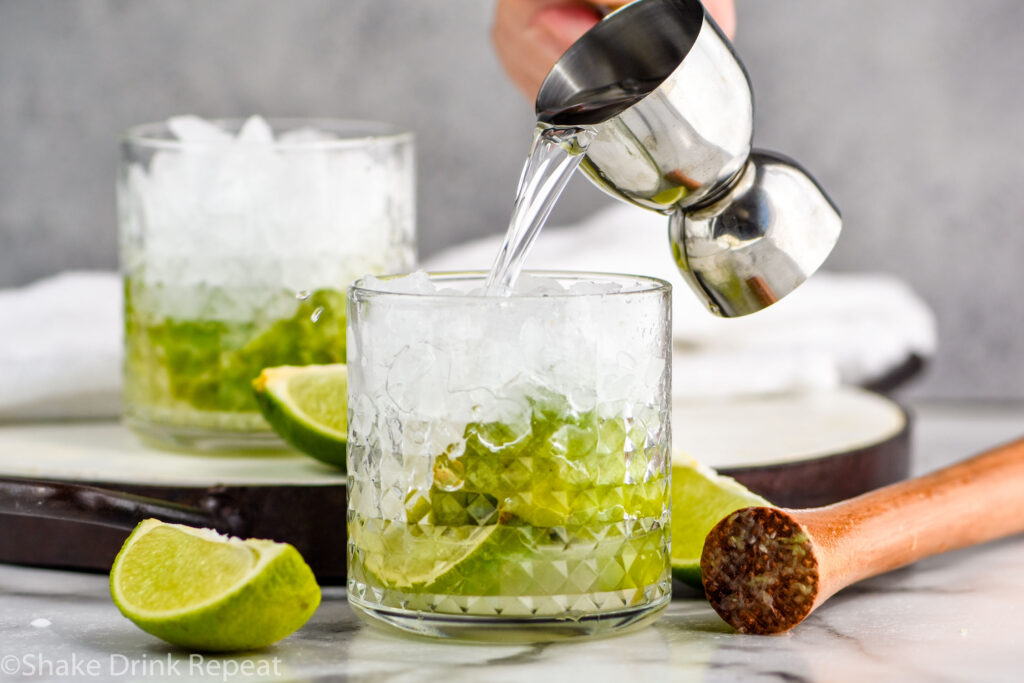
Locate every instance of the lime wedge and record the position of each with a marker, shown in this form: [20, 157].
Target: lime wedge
[423, 558]
[306, 406]
[670, 196]
[700, 499]
[204, 591]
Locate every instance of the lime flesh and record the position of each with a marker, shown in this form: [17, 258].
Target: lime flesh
[203, 591]
[307, 407]
[420, 557]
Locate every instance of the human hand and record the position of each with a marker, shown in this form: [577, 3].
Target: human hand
[530, 35]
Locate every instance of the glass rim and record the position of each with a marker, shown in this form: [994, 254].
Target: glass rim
[645, 284]
[352, 132]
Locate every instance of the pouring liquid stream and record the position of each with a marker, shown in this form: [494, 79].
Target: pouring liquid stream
[554, 155]
[560, 142]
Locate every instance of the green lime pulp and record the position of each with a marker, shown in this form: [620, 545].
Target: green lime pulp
[199, 371]
[566, 504]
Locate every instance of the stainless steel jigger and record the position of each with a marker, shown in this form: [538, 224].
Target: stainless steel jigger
[673, 111]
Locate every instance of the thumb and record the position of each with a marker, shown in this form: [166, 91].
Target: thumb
[563, 24]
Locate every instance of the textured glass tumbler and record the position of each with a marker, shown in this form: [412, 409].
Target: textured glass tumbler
[509, 456]
[237, 241]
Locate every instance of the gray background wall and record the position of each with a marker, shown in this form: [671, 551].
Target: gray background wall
[909, 112]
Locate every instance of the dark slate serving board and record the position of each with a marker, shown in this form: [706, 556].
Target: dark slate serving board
[71, 492]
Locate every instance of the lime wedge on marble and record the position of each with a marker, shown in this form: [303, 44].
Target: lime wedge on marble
[700, 499]
[307, 407]
[204, 591]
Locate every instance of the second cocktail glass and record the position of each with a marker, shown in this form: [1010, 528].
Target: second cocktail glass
[238, 240]
[509, 456]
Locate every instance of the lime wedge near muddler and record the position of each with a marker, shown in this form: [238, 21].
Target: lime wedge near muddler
[308, 407]
[204, 591]
[700, 499]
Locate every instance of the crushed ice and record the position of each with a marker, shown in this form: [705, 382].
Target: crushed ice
[477, 358]
[237, 212]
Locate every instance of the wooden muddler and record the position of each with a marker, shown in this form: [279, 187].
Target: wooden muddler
[765, 569]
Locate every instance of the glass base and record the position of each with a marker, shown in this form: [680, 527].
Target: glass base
[494, 629]
[204, 440]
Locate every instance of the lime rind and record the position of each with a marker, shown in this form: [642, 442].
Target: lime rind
[688, 573]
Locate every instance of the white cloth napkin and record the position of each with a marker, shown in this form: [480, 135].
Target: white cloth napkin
[60, 338]
[60, 347]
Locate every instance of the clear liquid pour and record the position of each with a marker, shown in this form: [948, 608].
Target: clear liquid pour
[554, 155]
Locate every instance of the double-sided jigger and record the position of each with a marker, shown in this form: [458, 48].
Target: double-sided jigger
[673, 111]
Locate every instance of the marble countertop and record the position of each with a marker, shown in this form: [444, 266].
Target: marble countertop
[949, 618]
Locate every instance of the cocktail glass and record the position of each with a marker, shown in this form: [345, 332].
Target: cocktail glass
[509, 456]
[238, 239]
